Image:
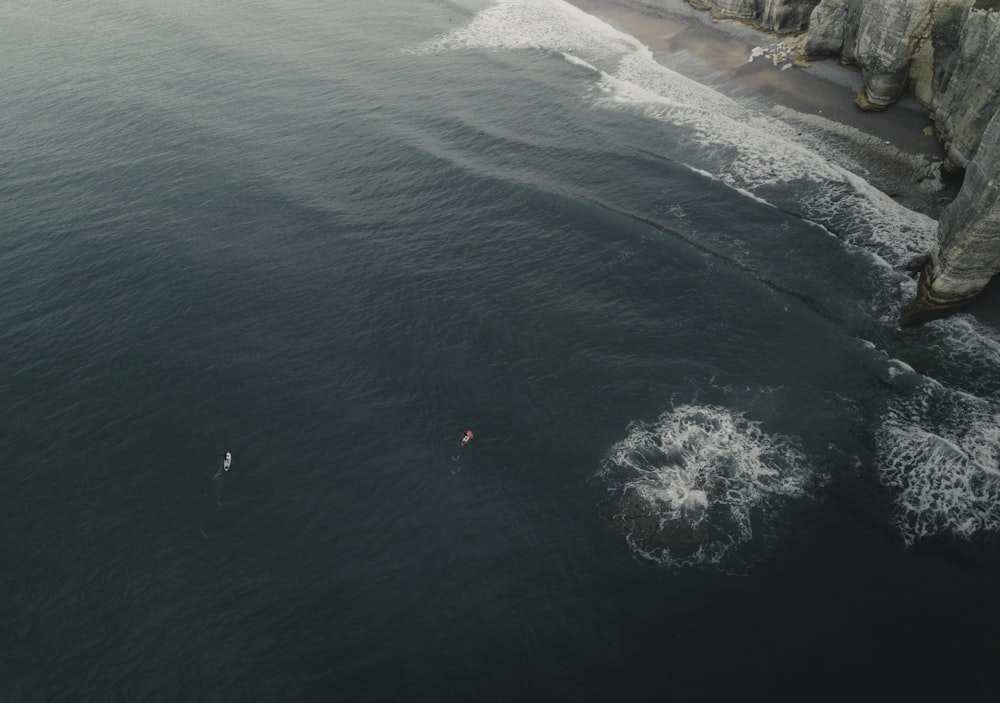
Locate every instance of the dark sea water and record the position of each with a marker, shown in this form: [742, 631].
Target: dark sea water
[331, 236]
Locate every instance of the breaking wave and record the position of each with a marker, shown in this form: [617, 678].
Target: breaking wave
[740, 146]
[939, 445]
[697, 484]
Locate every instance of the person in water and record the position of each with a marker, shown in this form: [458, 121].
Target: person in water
[227, 460]
[467, 438]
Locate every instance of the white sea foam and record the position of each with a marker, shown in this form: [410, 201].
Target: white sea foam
[693, 486]
[743, 148]
[948, 480]
[579, 62]
[754, 153]
[967, 340]
[938, 445]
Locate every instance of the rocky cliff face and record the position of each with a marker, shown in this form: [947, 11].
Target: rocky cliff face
[782, 16]
[968, 251]
[881, 38]
[947, 53]
[963, 93]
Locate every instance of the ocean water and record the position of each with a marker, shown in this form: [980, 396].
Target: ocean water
[329, 238]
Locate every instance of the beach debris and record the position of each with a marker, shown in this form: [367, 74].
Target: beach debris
[782, 53]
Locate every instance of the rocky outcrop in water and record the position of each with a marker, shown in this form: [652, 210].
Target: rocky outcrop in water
[947, 54]
[660, 525]
[968, 251]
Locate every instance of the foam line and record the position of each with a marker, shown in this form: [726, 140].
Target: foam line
[746, 150]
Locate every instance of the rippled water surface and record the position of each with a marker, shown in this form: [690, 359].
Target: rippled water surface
[331, 237]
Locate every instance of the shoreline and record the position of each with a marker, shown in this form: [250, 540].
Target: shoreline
[717, 53]
[896, 148]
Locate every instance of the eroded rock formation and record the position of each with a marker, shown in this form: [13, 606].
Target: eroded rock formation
[782, 16]
[968, 251]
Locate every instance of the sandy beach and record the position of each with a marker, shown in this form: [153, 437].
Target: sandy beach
[721, 54]
[896, 148]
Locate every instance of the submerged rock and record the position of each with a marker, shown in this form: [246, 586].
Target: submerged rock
[656, 524]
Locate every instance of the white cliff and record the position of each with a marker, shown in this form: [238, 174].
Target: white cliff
[968, 251]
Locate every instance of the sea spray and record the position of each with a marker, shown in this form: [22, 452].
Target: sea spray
[688, 488]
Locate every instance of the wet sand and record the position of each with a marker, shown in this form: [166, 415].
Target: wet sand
[718, 53]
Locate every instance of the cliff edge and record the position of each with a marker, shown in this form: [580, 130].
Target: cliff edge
[946, 53]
